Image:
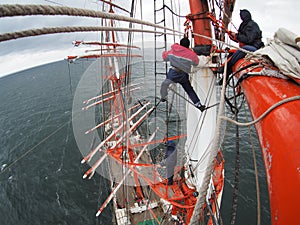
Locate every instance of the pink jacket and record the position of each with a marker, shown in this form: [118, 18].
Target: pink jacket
[181, 57]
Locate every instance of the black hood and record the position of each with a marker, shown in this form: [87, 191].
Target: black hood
[245, 15]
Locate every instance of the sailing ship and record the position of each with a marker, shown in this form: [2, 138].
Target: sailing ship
[139, 143]
[139, 170]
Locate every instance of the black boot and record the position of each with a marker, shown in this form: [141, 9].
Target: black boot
[200, 107]
[219, 70]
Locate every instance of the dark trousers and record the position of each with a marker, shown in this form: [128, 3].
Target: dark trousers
[171, 160]
[237, 56]
[183, 79]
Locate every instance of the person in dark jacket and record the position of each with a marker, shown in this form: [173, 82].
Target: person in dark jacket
[248, 36]
[181, 59]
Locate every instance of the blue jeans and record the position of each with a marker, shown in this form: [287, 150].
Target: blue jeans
[183, 79]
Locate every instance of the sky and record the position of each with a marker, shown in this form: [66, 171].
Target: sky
[24, 53]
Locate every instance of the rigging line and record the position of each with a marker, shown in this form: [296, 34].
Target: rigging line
[183, 97]
[219, 216]
[198, 124]
[217, 103]
[23, 10]
[168, 113]
[34, 147]
[256, 173]
[254, 65]
[128, 68]
[187, 100]
[207, 99]
[143, 39]
[210, 90]
[70, 80]
[173, 23]
[227, 44]
[56, 3]
[165, 6]
[212, 216]
[152, 110]
[55, 30]
[203, 157]
[214, 149]
[236, 169]
[178, 9]
[26, 10]
[130, 43]
[264, 114]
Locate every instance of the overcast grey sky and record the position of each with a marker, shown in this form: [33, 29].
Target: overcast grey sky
[27, 52]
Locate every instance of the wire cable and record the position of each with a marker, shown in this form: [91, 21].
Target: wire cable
[264, 114]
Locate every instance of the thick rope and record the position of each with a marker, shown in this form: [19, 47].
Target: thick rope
[264, 114]
[55, 30]
[30, 10]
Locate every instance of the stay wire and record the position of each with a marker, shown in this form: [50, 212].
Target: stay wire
[256, 173]
[236, 169]
[70, 79]
[207, 99]
[181, 16]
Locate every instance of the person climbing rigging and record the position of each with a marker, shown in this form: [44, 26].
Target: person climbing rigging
[181, 59]
[171, 160]
[249, 37]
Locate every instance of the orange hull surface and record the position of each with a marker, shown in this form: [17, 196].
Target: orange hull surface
[279, 133]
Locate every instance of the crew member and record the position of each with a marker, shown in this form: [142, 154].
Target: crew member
[181, 59]
[249, 37]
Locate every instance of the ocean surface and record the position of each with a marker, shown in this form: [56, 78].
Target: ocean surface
[40, 170]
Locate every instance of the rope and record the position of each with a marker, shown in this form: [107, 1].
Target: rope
[219, 41]
[165, 6]
[54, 30]
[26, 10]
[200, 125]
[181, 96]
[256, 176]
[264, 114]
[236, 170]
[263, 72]
[70, 79]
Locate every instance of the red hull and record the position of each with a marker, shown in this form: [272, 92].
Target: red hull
[279, 133]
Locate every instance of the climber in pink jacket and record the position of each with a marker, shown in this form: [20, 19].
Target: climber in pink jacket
[181, 59]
